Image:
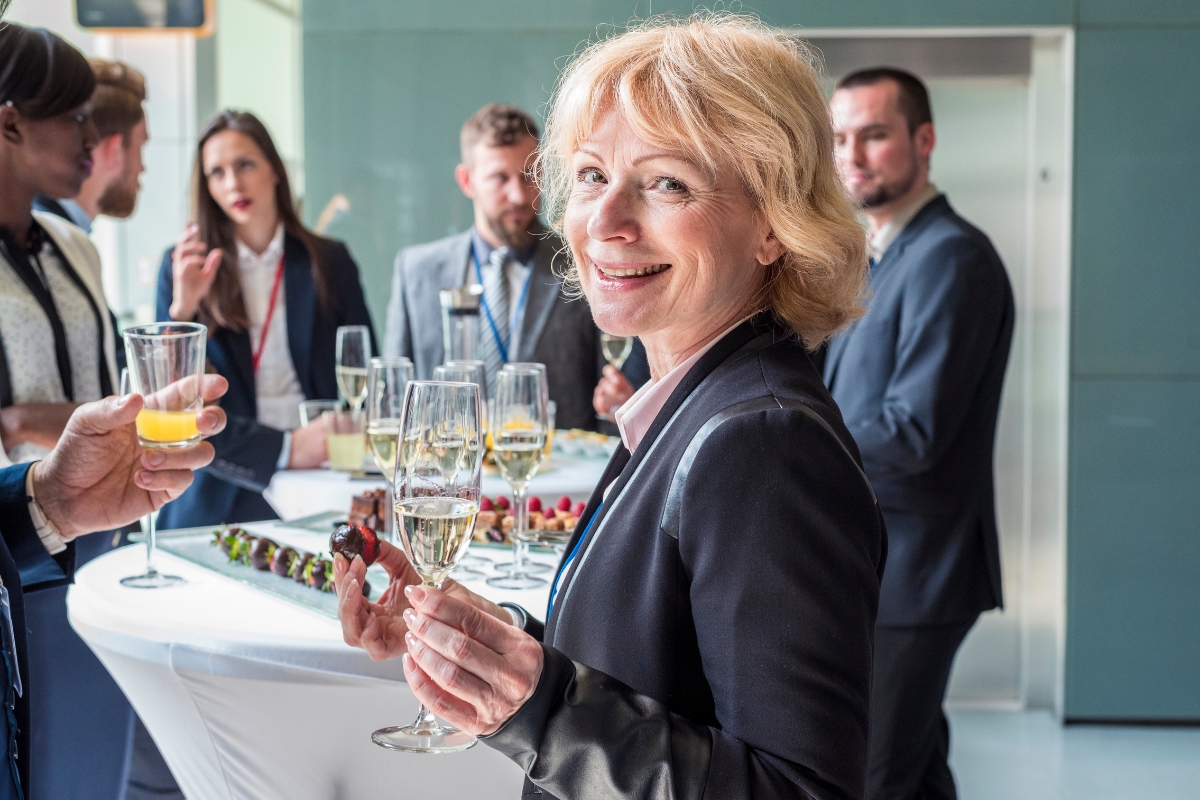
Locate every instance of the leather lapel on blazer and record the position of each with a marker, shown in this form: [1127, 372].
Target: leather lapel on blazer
[544, 289]
[742, 336]
[300, 302]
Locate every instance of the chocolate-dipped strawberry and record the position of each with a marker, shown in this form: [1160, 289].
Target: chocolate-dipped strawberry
[226, 540]
[262, 554]
[355, 540]
[299, 571]
[284, 560]
[319, 573]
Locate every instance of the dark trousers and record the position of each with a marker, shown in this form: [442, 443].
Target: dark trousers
[910, 736]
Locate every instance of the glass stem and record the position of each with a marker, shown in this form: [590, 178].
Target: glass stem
[426, 722]
[520, 525]
[151, 520]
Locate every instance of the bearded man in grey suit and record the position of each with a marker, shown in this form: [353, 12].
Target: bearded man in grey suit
[524, 314]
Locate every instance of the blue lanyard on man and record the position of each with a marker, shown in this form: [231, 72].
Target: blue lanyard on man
[518, 311]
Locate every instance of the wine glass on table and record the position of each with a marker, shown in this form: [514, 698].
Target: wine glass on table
[353, 362]
[616, 350]
[387, 379]
[465, 371]
[519, 437]
[166, 363]
[436, 503]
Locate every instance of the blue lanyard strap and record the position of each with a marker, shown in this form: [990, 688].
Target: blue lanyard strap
[570, 559]
[501, 345]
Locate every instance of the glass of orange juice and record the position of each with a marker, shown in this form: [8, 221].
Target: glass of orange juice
[166, 363]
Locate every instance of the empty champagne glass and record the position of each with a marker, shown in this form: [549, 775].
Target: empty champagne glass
[435, 506]
[166, 364]
[353, 361]
[519, 436]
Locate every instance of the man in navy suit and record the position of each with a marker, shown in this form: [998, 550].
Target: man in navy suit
[918, 380]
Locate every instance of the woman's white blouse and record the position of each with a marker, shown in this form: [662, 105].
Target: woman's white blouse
[29, 341]
[276, 384]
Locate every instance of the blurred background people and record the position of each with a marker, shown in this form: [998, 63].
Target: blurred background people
[273, 294]
[112, 187]
[918, 380]
[59, 349]
[525, 315]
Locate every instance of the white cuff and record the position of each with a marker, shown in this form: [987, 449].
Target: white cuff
[52, 540]
[285, 452]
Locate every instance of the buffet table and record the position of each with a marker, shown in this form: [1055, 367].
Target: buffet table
[253, 697]
[302, 493]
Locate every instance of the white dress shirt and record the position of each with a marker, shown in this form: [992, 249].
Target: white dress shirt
[276, 385]
[883, 238]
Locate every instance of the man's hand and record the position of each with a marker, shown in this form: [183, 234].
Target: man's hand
[611, 392]
[379, 627]
[98, 477]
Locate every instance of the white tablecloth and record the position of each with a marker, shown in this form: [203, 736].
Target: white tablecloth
[300, 493]
[254, 698]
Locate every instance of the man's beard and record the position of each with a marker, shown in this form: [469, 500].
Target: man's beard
[118, 199]
[516, 238]
[887, 192]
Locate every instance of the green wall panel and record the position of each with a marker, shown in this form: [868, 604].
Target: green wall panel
[546, 15]
[1136, 276]
[1133, 649]
[1142, 12]
[382, 123]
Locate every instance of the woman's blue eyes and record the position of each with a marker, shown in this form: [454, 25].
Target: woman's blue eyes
[670, 185]
[665, 184]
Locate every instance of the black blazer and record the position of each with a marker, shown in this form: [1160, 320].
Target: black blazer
[712, 636]
[918, 380]
[25, 567]
[230, 489]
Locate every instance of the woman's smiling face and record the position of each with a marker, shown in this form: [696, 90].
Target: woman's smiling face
[666, 249]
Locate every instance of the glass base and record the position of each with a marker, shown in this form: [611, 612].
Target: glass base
[517, 581]
[152, 580]
[464, 573]
[530, 568]
[421, 739]
[150, 444]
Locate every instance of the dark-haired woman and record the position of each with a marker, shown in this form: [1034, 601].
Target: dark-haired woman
[57, 349]
[273, 295]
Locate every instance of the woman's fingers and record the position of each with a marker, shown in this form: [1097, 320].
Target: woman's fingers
[454, 710]
[449, 673]
[454, 647]
[352, 606]
[476, 624]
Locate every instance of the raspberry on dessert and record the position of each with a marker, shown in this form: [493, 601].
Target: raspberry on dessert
[485, 504]
[579, 508]
[502, 502]
[355, 540]
[563, 504]
[535, 504]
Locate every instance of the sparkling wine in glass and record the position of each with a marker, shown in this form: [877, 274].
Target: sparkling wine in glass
[386, 382]
[436, 509]
[466, 371]
[353, 363]
[166, 365]
[616, 349]
[519, 444]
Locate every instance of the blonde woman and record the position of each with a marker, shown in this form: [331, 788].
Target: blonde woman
[710, 627]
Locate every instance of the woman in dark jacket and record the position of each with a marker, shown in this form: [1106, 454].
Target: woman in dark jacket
[710, 629]
[273, 295]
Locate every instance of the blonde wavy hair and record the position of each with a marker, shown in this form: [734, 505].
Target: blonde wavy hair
[726, 90]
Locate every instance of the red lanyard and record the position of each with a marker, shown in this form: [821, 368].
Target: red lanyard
[262, 340]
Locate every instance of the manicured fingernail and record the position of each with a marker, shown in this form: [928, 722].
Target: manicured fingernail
[415, 592]
[410, 640]
[153, 458]
[407, 661]
[409, 616]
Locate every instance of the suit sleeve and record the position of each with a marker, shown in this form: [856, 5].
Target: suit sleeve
[397, 341]
[951, 320]
[781, 543]
[38, 569]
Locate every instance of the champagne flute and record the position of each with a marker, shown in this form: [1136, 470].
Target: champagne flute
[353, 357]
[616, 350]
[166, 365]
[520, 445]
[465, 371]
[386, 382]
[435, 519]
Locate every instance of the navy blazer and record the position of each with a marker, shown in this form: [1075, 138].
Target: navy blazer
[230, 489]
[25, 567]
[712, 635]
[918, 380]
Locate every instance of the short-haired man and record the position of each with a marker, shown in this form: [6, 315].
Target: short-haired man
[113, 186]
[918, 380]
[524, 315]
